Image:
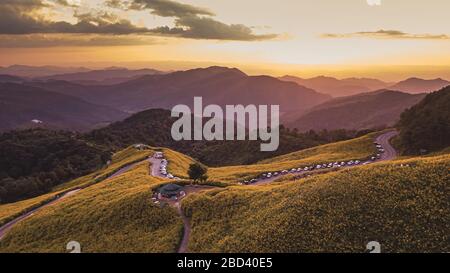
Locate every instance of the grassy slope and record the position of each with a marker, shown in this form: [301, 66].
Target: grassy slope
[116, 215]
[123, 212]
[358, 148]
[178, 163]
[120, 159]
[404, 208]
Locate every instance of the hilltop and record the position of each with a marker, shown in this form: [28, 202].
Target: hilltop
[338, 88]
[401, 204]
[339, 211]
[417, 85]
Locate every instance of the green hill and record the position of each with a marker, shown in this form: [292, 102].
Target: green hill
[358, 148]
[34, 161]
[402, 204]
[426, 126]
[112, 216]
[404, 208]
[153, 127]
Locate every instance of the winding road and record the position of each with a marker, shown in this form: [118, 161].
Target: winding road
[383, 140]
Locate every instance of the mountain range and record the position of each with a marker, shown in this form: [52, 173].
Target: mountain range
[352, 86]
[338, 88]
[113, 75]
[39, 71]
[368, 110]
[25, 106]
[217, 85]
[88, 98]
[416, 85]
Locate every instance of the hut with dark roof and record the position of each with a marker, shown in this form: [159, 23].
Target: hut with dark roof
[170, 190]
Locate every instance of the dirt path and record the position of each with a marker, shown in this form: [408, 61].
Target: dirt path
[186, 230]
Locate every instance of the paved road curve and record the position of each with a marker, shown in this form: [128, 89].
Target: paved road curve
[389, 151]
[5, 228]
[383, 140]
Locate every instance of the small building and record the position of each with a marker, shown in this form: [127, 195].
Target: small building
[170, 190]
[140, 147]
[37, 121]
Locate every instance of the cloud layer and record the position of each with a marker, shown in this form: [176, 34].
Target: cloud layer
[25, 17]
[387, 34]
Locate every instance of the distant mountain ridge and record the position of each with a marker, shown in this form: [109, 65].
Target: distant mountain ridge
[39, 71]
[107, 76]
[217, 85]
[25, 106]
[10, 78]
[417, 85]
[369, 110]
[338, 88]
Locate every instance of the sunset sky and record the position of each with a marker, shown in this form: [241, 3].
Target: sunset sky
[388, 38]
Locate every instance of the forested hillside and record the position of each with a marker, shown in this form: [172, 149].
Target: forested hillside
[153, 127]
[34, 161]
[426, 126]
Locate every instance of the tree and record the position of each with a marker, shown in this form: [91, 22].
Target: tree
[197, 172]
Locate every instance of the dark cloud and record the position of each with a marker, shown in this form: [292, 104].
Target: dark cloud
[168, 8]
[191, 21]
[388, 34]
[75, 40]
[208, 28]
[23, 17]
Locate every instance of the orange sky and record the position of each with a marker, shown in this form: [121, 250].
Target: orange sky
[342, 38]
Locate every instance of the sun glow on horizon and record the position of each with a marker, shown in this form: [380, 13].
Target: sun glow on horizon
[308, 36]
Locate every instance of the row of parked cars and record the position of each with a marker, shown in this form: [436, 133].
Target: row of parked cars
[163, 166]
[323, 166]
